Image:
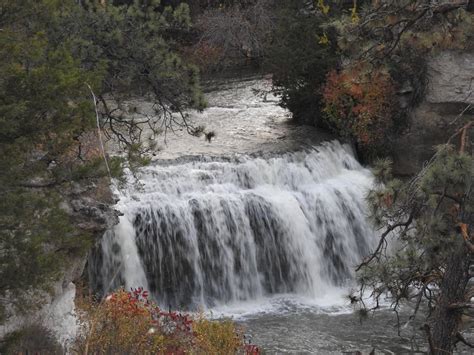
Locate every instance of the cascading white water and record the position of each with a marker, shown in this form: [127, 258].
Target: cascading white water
[210, 232]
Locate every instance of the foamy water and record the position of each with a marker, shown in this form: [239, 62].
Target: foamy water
[212, 234]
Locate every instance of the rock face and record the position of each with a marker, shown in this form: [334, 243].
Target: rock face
[450, 92]
[451, 78]
[88, 203]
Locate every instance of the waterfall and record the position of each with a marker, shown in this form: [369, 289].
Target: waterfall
[212, 231]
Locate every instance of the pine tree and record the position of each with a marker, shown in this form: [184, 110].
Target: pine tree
[425, 250]
[54, 53]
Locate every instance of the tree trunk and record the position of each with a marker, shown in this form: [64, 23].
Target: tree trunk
[446, 318]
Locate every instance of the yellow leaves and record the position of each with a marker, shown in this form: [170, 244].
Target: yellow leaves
[323, 7]
[381, 47]
[324, 40]
[217, 337]
[354, 16]
[465, 235]
[392, 19]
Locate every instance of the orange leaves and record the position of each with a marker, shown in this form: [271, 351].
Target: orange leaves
[358, 102]
[127, 322]
[218, 337]
[464, 232]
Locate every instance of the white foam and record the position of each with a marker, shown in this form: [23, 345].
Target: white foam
[208, 233]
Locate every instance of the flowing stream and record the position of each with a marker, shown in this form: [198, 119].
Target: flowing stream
[265, 225]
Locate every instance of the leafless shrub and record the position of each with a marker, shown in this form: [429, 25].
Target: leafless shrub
[237, 32]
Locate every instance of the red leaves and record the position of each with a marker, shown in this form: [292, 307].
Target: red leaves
[251, 349]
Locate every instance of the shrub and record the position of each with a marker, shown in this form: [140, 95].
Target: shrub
[358, 104]
[129, 322]
[217, 337]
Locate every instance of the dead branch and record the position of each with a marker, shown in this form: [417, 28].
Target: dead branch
[463, 132]
[449, 6]
[99, 133]
[382, 240]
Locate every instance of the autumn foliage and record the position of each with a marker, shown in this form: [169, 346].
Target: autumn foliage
[130, 323]
[359, 104]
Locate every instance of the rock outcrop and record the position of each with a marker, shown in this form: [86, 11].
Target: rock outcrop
[89, 204]
[88, 201]
[448, 104]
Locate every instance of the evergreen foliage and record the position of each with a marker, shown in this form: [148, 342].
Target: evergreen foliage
[301, 55]
[54, 53]
[423, 253]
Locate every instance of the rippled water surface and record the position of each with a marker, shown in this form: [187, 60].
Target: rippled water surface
[246, 119]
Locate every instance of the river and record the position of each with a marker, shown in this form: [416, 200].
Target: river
[264, 224]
